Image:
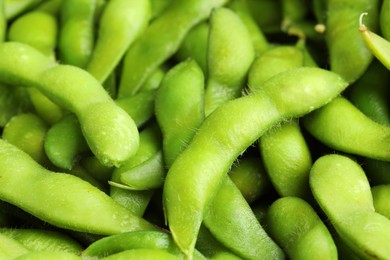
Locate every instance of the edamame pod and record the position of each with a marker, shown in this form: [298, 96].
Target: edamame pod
[377, 45]
[151, 50]
[194, 177]
[297, 228]
[11, 248]
[230, 53]
[110, 132]
[70, 202]
[76, 36]
[136, 201]
[236, 227]
[350, 131]
[178, 126]
[348, 54]
[48, 255]
[343, 192]
[122, 21]
[142, 254]
[27, 132]
[43, 240]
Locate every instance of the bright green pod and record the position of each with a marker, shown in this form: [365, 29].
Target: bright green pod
[380, 196]
[259, 40]
[297, 228]
[287, 159]
[194, 45]
[70, 202]
[136, 201]
[151, 50]
[121, 22]
[77, 31]
[64, 142]
[384, 19]
[348, 54]
[146, 176]
[27, 132]
[225, 256]
[343, 192]
[158, 6]
[376, 44]
[14, 8]
[230, 54]
[350, 130]
[44, 107]
[110, 132]
[43, 240]
[236, 227]
[11, 248]
[250, 177]
[178, 126]
[195, 176]
[293, 11]
[271, 62]
[154, 80]
[37, 29]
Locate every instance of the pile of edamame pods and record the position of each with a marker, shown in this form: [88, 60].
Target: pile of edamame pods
[194, 129]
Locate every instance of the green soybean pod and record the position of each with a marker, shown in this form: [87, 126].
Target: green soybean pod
[348, 54]
[380, 196]
[270, 20]
[158, 6]
[195, 176]
[351, 131]
[293, 11]
[194, 45]
[122, 21]
[178, 126]
[76, 36]
[3, 22]
[136, 201]
[343, 192]
[112, 142]
[146, 176]
[375, 43]
[70, 202]
[43, 240]
[236, 227]
[230, 54]
[37, 29]
[64, 142]
[14, 8]
[297, 228]
[151, 50]
[384, 19]
[11, 248]
[27, 131]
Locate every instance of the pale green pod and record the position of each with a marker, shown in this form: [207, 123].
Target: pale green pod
[343, 192]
